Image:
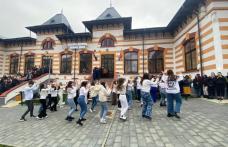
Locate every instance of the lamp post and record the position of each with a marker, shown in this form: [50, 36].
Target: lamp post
[75, 62]
[197, 13]
[19, 69]
[76, 47]
[49, 67]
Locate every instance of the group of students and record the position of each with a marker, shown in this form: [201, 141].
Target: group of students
[48, 94]
[120, 91]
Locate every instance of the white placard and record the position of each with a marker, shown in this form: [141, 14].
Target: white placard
[78, 46]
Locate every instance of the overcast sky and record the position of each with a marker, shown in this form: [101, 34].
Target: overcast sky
[17, 14]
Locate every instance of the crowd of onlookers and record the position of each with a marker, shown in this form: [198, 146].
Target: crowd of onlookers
[8, 82]
[213, 86]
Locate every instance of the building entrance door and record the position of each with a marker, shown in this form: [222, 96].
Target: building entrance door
[107, 66]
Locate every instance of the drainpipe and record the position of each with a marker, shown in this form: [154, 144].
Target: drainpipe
[19, 70]
[143, 47]
[200, 44]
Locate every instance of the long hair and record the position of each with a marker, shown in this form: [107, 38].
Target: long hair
[41, 86]
[84, 83]
[103, 84]
[120, 83]
[145, 77]
[171, 76]
[69, 85]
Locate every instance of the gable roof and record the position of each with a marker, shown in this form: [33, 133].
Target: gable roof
[109, 13]
[57, 19]
[55, 22]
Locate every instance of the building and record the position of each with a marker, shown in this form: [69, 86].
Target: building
[195, 41]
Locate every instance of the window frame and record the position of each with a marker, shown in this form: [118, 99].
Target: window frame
[130, 60]
[107, 45]
[155, 60]
[190, 52]
[48, 58]
[30, 63]
[66, 63]
[15, 71]
[48, 44]
[80, 71]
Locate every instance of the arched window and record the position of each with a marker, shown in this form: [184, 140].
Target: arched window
[190, 55]
[29, 62]
[155, 61]
[85, 63]
[107, 42]
[48, 43]
[131, 62]
[66, 64]
[14, 59]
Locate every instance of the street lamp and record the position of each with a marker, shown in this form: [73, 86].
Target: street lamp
[75, 48]
[49, 67]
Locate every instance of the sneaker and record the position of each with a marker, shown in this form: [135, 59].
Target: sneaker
[148, 117]
[91, 110]
[39, 118]
[83, 119]
[170, 115]
[177, 116]
[22, 119]
[33, 116]
[94, 110]
[123, 117]
[46, 116]
[79, 122]
[70, 117]
[103, 121]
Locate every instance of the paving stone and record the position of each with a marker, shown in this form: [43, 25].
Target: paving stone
[203, 124]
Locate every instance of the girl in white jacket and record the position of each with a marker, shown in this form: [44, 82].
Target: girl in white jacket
[122, 88]
[104, 92]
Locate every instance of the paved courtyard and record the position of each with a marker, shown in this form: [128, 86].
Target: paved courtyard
[203, 124]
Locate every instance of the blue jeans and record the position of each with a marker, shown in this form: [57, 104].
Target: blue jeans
[94, 102]
[72, 106]
[147, 104]
[170, 99]
[153, 92]
[104, 109]
[139, 95]
[163, 97]
[129, 97]
[83, 106]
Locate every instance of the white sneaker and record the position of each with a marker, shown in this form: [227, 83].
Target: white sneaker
[103, 121]
[94, 110]
[39, 118]
[123, 117]
[91, 110]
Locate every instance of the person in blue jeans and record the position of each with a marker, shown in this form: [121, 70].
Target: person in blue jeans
[70, 100]
[82, 102]
[173, 93]
[146, 97]
[104, 92]
[130, 89]
[154, 89]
